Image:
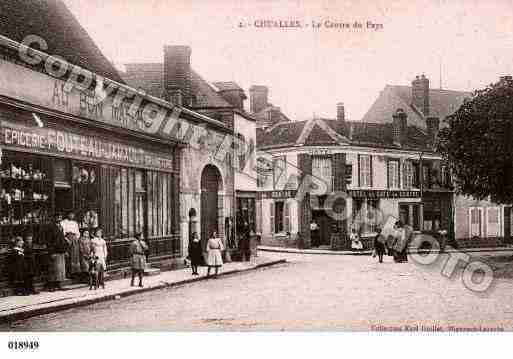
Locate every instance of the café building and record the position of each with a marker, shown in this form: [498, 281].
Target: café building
[346, 175]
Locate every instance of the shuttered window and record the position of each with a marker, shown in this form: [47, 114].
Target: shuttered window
[287, 216]
[475, 221]
[279, 172]
[493, 223]
[365, 170]
[393, 174]
[408, 174]
[271, 219]
[321, 169]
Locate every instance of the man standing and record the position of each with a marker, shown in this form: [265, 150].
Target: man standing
[57, 247]
[244, 244]
[71, 232]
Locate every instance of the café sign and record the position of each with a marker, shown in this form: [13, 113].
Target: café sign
[383, 194]
[277, 194]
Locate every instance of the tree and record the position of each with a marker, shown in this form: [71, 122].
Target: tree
[478, 143]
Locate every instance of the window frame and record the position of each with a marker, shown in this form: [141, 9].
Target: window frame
[365, 173]
[390, 182]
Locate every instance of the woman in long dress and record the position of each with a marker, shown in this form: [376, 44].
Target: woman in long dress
[195, 253]
[379, 245]
[356, 243]
[99, 250]
[74, 254]
[214, 258]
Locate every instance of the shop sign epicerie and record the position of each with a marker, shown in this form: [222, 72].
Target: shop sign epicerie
[86, 147]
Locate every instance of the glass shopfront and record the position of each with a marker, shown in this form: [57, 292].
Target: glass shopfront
[122, 187]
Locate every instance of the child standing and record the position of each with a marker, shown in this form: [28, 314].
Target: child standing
[99, 249]
[138, 250]
[195, 253]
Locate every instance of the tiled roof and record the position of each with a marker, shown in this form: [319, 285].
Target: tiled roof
[146, 76]
[51, 20]
[150, 77]
[262, 117]
[442, 103]
[282, 134]
[206, 95]
[227, 85]
[378, 135]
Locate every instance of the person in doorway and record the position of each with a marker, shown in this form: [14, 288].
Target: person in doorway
[244, 244]
[85, 255]
[314, 233]
[137, 251]
[57, 247]
[71, 231]
[379, 245]
[99, 250]
[30, 265]
[195, 253]
[214, 249]
[16, 262]
[356, 243]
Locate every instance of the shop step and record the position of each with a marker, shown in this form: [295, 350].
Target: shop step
[151, 271]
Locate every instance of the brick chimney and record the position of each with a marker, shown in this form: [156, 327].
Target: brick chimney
[420, 94]
[258, 98]
[433, 126]
[177, 74]
[399, 127]
[341, 112]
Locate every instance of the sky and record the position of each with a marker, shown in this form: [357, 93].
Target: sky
[309, 70]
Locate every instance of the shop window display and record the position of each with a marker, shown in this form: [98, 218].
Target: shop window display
[25, 195]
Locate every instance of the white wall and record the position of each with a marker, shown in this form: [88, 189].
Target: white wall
[246, 180]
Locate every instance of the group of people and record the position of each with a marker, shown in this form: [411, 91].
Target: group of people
[394, 242]
[214, 248]
[72, 253]
[69, 255]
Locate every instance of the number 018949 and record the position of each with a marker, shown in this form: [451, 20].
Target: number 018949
[23, 345]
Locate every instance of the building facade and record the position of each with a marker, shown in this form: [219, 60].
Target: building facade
[347, 175]
[477, 223]
[234, 204]
[119, 158]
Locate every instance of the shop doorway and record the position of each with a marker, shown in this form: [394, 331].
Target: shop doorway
[325, 223]
[63, 201]
[211, 185]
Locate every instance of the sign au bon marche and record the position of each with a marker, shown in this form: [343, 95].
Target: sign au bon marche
[40, 89]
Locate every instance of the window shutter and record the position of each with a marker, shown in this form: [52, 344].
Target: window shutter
[388, 173]
[399, 172]
[370, 171]
[359, 171]
[405, 174]
[271, 211]
[286, 209]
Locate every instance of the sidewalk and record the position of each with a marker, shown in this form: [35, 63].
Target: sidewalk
[21, 307]
[369, 252]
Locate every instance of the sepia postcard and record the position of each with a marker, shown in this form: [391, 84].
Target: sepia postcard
[255, 166]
